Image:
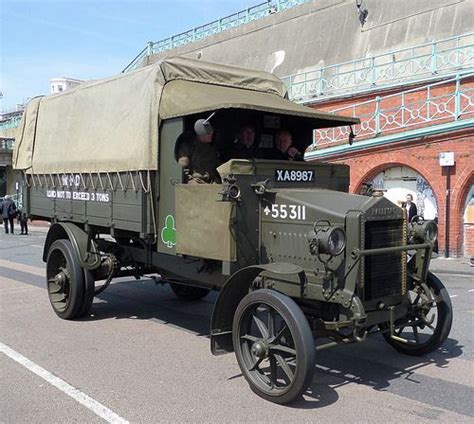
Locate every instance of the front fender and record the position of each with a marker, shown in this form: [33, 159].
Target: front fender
[86, 251]
[233, 291]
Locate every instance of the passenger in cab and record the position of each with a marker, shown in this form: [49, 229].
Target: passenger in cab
[244, 146]
[283, 148]
[196, 153]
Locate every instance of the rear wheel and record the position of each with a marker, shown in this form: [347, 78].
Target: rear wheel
[65, 280]
[186, 292]
[274, 345]
[428, 323]
[89, 289]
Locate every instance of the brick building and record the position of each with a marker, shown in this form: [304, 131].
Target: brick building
[397, 148]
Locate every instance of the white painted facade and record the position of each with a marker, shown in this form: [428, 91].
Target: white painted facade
[63, 84]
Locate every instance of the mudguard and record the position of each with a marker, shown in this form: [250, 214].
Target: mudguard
[233, 291]
[86, 251]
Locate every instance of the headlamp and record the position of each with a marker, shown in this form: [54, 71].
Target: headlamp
[424, 231]
[327, 239]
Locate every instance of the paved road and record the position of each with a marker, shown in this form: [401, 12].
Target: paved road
[143, 356]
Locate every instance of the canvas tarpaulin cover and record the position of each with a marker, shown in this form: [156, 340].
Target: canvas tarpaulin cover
[112, 125]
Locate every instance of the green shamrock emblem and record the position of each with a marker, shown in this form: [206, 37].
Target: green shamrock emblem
[168, 233]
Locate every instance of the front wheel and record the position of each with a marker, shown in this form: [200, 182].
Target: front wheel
[427, 325]
[274, 345]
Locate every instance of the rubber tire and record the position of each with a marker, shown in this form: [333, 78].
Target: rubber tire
[443, 324]
[302, 337]
[188, 293]
[76, 294]
[89, 289]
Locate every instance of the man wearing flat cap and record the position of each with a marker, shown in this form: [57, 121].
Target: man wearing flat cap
[197, 154]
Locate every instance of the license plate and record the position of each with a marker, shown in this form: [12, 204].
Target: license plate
[294, 175]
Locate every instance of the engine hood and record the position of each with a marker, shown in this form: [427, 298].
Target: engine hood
[325, 204]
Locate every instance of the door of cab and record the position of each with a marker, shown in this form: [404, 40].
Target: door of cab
[170, 174]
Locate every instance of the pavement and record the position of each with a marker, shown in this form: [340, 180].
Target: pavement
[142, 356]
[461, 266]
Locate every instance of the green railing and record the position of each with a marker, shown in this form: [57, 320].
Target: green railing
[7, 145]
[449, 102]
[10, 123]
[198, 33]
[421, 62]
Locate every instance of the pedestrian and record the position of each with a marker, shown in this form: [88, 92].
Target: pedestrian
[410, 208]
[8, 212]
[23, 221]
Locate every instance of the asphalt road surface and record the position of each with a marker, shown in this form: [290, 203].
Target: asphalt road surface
[143, 356]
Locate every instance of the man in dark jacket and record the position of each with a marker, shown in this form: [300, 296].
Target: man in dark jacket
[243, 147]
[410, 208]
[8, 211]
[283, 148]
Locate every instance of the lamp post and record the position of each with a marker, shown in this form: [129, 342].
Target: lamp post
[446, 161]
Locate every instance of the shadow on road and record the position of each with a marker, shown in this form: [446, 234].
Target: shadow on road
[373, 363]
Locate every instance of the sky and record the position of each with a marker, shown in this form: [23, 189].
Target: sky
[87, 39]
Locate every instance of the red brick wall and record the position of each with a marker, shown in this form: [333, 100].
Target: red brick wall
[410, 109]
[469, 240]
[423, 157]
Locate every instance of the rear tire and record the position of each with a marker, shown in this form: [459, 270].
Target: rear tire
[89, 289]
[65, 280]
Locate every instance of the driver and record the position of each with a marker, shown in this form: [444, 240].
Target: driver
[196, 153]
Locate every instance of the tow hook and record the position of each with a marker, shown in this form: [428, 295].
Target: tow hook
[392, 325]
[359, 337]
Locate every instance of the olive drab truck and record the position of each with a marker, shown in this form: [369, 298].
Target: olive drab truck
[300, 264]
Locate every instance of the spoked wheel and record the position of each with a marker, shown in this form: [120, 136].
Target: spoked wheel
[274, 345]
[65, 280]
[186, 292]
[428, 324]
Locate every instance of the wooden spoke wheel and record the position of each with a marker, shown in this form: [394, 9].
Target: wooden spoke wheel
[274, 345]
[428, 323]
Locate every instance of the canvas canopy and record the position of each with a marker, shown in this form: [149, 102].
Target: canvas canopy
[112, 125]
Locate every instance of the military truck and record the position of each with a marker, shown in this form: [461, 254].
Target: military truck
[300, 264]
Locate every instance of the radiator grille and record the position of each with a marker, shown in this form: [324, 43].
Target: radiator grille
[384, 275]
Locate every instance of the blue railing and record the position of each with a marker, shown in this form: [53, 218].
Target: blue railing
[236, 19]
[10, 123]
[412, 64]
[7, 145]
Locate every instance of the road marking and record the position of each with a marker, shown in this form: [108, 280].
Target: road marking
[36, 270]
[453, 295]
[96, 407]
[470, 291]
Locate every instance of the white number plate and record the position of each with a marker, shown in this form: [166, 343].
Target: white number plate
[294, 175]
[282, 211]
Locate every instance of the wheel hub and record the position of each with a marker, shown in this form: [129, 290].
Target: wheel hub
[60, 278]
[260, 349]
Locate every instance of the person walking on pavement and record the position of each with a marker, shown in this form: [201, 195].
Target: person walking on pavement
[410, 208]
[8, 211]
[23, 221]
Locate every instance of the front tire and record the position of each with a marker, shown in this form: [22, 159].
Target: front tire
[428, 324]
[274, 345]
